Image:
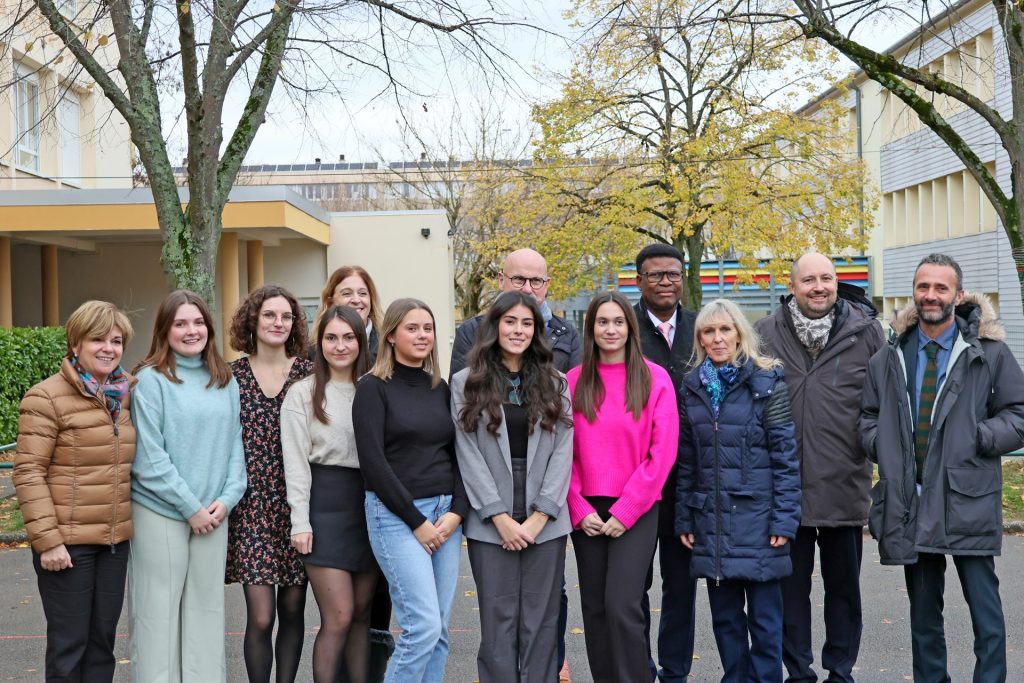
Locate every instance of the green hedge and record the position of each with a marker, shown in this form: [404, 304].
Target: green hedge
[27, 356]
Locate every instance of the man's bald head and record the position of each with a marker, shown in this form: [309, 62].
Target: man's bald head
[525, 270]
[814, 284]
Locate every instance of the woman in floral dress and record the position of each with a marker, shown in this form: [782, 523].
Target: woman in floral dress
[271, 327]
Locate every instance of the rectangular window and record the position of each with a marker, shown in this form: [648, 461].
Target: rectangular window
[70, 139]
[69, 8]
[26, 119]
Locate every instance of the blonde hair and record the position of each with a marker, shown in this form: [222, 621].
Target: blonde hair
[384, 368]
[96, 319]
[749, 341]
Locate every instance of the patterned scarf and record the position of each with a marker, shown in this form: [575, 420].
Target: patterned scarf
[114, 389]
[717, 381]
[812, 332]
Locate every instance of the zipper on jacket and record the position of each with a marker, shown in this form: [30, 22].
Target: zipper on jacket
[117, 470]
[718, 512]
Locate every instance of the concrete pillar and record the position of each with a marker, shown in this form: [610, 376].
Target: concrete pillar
[228, 283]
[254, 263]
[6, 286]
[51, 296]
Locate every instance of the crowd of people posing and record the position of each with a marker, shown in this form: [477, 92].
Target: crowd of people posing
[348, 462]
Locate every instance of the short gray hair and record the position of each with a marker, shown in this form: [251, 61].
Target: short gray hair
[943, 260]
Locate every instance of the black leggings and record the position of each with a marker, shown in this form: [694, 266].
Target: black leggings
[262, 608]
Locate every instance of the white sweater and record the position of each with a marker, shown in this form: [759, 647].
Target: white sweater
[305, 440]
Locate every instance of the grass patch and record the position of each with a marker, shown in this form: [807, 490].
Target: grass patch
[1013, 491]
[10, 516]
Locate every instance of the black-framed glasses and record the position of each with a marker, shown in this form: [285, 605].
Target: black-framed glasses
[518, 281]
[654, 276]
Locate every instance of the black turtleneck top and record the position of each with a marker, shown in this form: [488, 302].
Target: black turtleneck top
[406, 442]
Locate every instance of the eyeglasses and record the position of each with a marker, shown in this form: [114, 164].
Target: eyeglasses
[518, 281]
[270, 317]
[654, 276]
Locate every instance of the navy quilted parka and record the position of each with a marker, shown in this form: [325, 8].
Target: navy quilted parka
[739, 478]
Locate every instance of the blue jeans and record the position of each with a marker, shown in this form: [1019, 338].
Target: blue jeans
[422, 588]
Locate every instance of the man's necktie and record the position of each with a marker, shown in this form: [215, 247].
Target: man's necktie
[926, 402]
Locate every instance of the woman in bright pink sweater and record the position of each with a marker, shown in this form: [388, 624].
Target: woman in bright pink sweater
[626, 435]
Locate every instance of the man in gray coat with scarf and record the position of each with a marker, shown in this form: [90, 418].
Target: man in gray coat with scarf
[825, 333]
[942, 402]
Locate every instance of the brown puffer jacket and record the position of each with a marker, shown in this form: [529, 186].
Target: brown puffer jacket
[72, 469]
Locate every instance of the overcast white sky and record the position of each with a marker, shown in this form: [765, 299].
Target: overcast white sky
[360, 125]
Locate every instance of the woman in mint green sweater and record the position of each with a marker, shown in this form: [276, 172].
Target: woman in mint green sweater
[189, 472]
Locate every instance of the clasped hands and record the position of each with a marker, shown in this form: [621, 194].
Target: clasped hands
[432, 535]
[516, 536]
[209, 518]
[593, 525]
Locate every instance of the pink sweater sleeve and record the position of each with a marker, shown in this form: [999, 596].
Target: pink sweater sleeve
[578, 505]
[643, 488]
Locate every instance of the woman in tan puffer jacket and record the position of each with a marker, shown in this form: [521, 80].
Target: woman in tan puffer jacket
[72, 472]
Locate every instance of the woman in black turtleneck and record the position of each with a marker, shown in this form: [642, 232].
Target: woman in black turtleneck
[415, 501]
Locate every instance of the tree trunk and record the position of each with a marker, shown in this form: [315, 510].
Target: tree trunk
[693, 248]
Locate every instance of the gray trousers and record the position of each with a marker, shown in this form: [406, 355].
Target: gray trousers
[519, 594]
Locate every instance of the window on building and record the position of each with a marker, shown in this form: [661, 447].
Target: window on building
[70, 139]
[69, 8]
[26, 119]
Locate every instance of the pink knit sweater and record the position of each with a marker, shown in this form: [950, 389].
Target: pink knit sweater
[618, 456]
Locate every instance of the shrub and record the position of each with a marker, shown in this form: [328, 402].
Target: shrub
[28, 355]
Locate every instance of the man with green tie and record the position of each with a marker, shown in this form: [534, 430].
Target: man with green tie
[942, 402]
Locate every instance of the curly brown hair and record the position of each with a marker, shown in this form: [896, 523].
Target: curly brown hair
[247, 316]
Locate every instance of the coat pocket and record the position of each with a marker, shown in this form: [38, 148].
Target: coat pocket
[876, 513]
[973, 503]
[749, 520]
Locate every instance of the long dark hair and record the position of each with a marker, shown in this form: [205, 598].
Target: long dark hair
[589, 394]
[160, 356]
[321, 370]
[247, 318]
[487, 383]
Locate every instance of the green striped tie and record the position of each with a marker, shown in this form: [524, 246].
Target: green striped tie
[925, 405]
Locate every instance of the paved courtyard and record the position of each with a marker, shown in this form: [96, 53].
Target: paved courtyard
[885, 653]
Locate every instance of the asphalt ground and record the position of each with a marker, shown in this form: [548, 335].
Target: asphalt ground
[885, 651]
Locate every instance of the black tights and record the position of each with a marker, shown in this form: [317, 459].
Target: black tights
[262, 607]
[344, 601]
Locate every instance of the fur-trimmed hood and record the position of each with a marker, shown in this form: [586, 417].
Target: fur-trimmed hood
[976, 311]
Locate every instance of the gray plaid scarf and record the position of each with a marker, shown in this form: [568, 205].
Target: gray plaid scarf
[812, 332]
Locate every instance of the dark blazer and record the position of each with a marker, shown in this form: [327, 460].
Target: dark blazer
[485, 463]
[676, 362]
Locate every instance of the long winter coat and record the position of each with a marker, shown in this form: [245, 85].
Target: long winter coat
[73, 465]
[978, 416]
[739, 480]
[825, 394]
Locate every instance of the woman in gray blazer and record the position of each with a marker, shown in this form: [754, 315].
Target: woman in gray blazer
[514, 446]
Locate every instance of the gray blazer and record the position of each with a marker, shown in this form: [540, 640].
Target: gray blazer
[485, 463]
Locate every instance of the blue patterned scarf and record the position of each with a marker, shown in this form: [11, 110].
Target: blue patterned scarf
[716, 381]
[114, 389]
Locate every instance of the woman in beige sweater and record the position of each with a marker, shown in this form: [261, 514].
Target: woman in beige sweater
[325, 493]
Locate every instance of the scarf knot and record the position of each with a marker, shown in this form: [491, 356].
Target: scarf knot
[717, 381]
[112, 393]
[812, 332]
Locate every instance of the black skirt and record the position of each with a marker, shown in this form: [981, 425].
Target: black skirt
[336, 514]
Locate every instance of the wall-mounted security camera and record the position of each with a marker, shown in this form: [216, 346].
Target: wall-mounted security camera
[425, 232]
